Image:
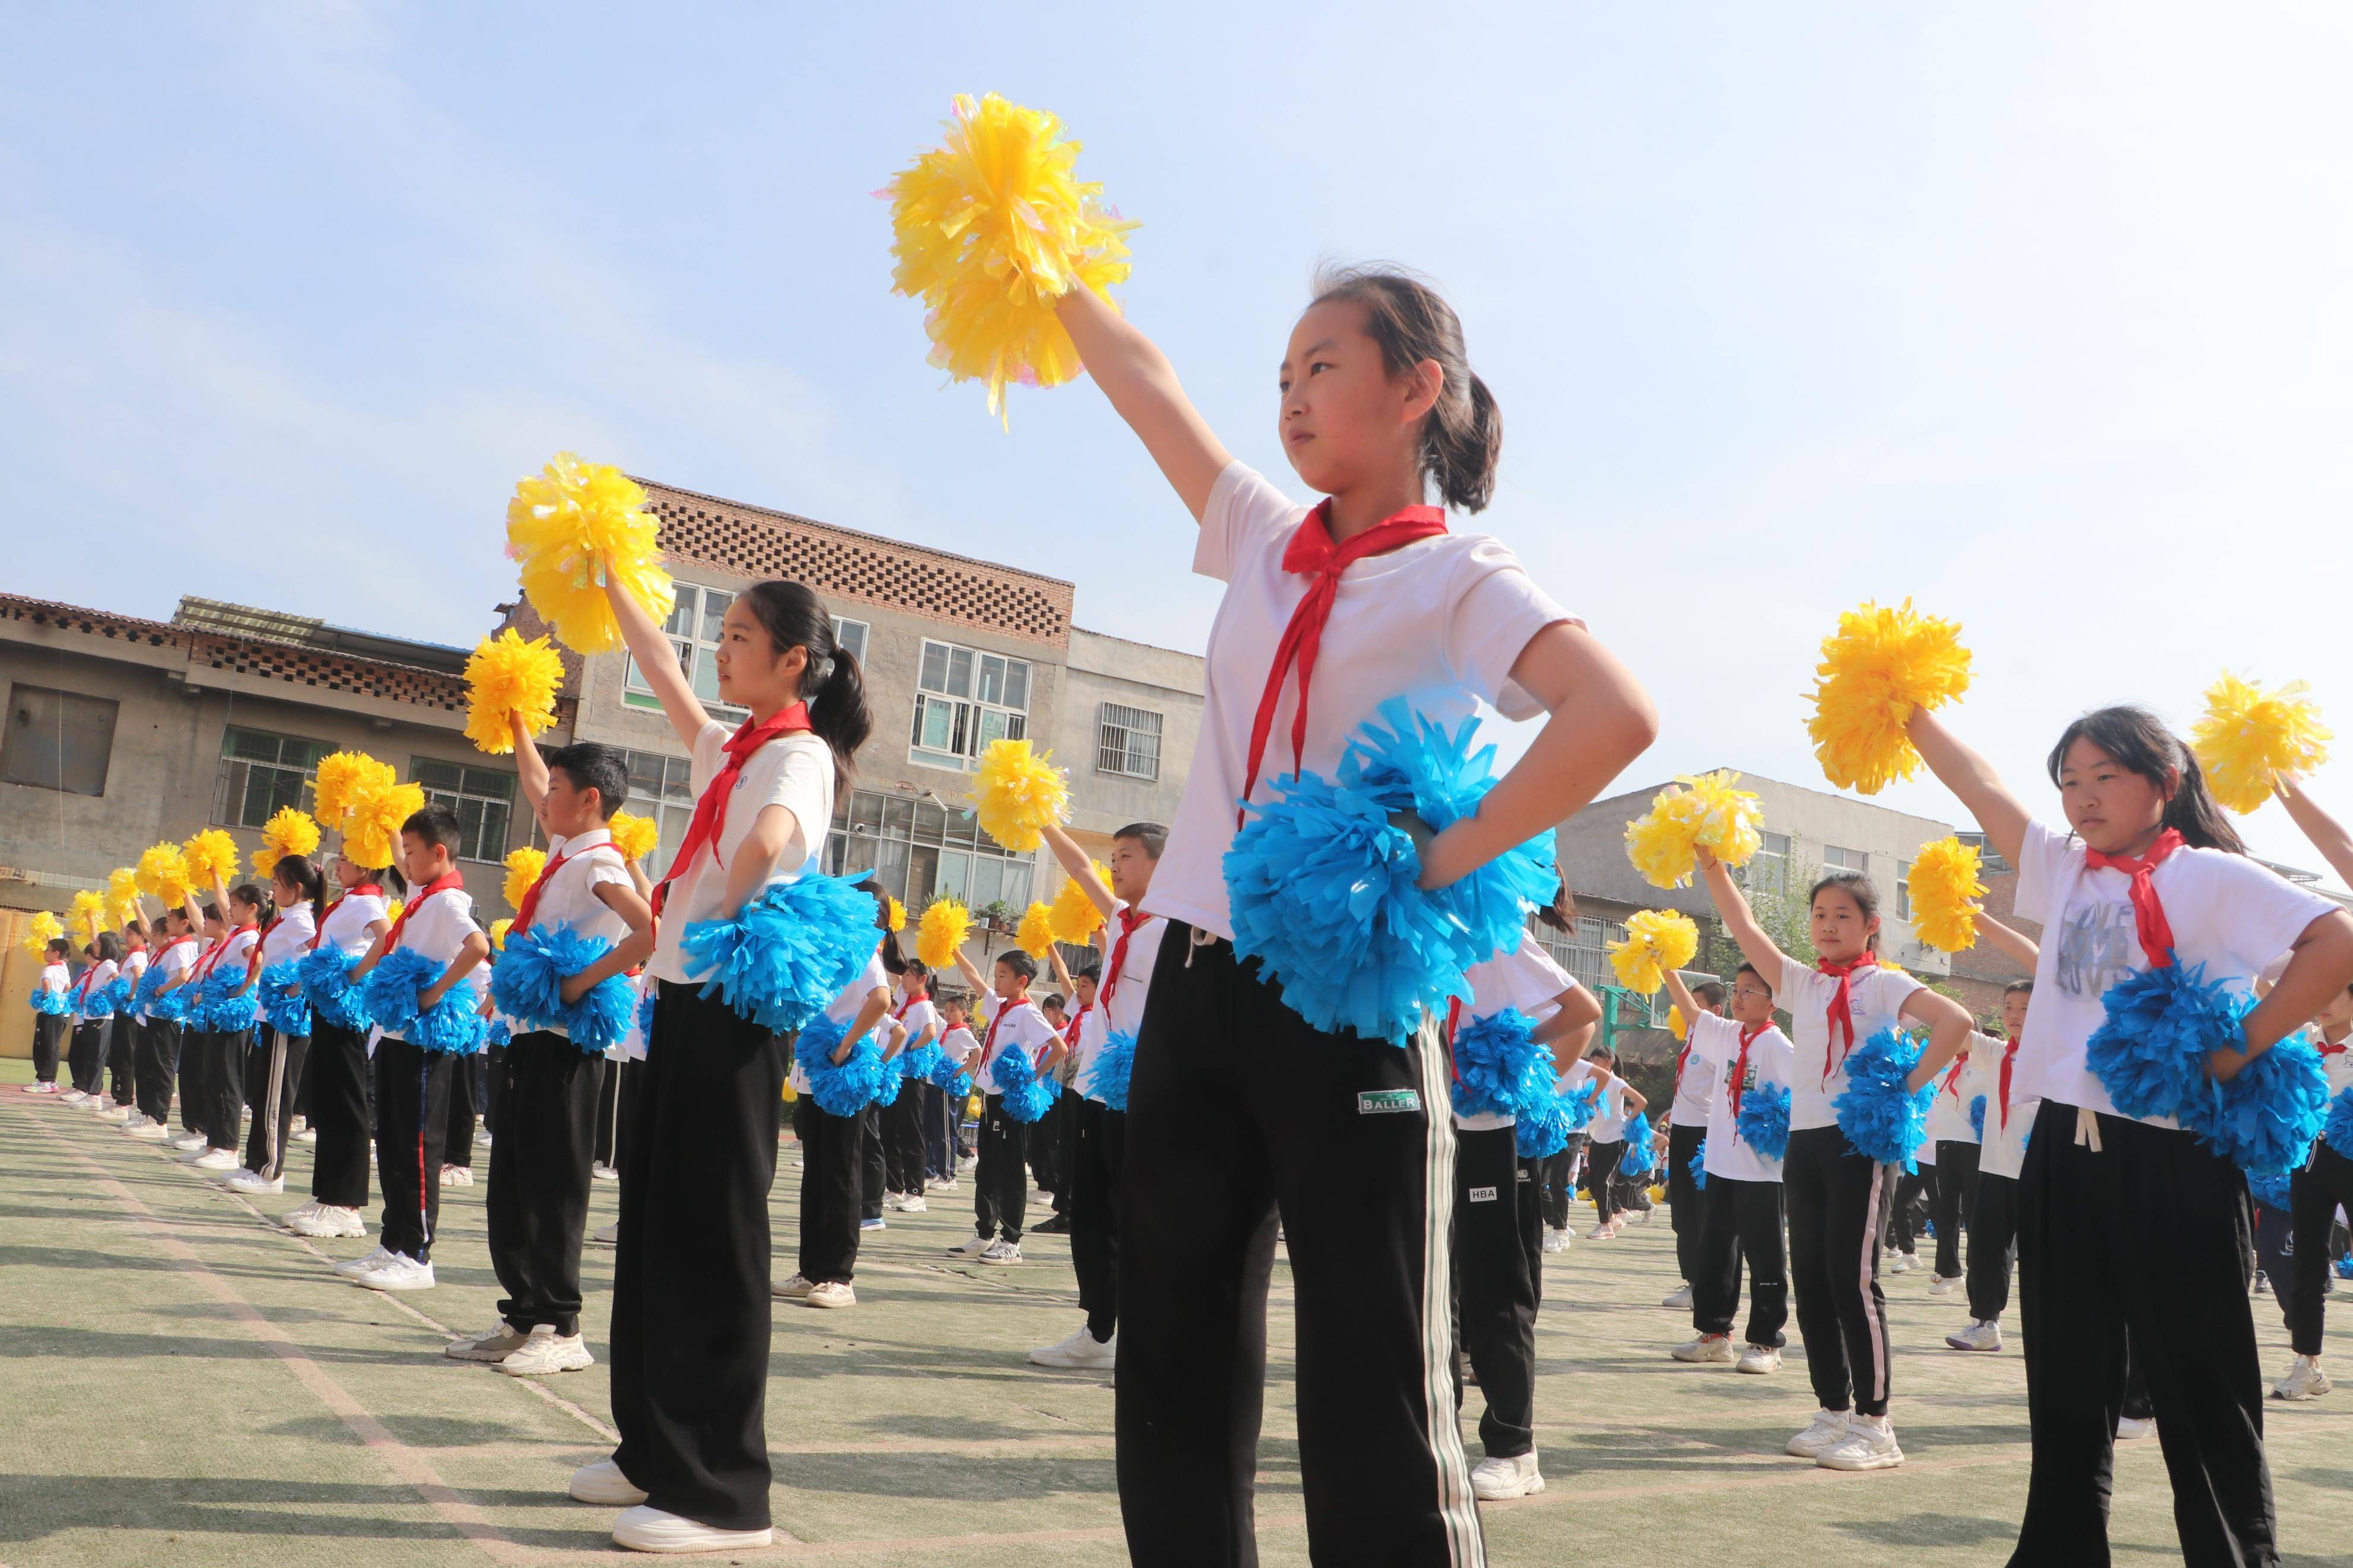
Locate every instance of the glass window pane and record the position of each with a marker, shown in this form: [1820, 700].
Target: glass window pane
[866, 812]
[987, 880]
[851, 636]
[964, 826]
[682, 615]
[992, 679]
[1016, 883]
[931, 822]
[645, 775]
[1017, 683]
[891, 865]
[959, 672]
[898, 817]
[715, 612]
[934, 675]
[992, 728]
[706, 678]
[859, 858]
[1017, 726]
[923, 874]
[938, 725]
[680, 780]
[956, 871]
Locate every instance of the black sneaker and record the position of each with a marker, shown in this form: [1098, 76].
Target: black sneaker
[1052, 1224]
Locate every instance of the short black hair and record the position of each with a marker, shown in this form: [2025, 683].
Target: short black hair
[61, 948]
[1710, 992]
[1151, 835]
[1021, 962]
[1751, 969]
[436, 824]
[2021, 988]
[1056, 999]
[591, 764]
[1092, 970]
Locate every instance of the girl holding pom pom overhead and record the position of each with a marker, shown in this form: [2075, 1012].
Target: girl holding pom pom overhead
[1329, 612]
[691, 1283]
[1000, 1180]
[2130, 1224]
[1833, 1191]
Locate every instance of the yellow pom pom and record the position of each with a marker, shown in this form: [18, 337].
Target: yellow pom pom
[344, 777]
[1018, 793]
[506, 675]
[1879, 667]
[523, 866]
[1035, 935]
[43, 928]
[499, 930]
[1656, 941]
[2247, 735]
[1677, 1024]
[122, 897]
[941, 934]
[212, 855]
[990, 230]
[163, 873]
[894, 918]
[1709, 812]
[573, 526]
[378, 805]
[635, 836]
[1945, 889]
[1074, 915]
[392, 910]
[86, 916]
[287, 832]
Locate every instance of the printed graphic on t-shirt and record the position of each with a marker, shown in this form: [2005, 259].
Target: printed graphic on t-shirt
[2097, 943]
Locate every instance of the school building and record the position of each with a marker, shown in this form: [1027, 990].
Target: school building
[120, 732]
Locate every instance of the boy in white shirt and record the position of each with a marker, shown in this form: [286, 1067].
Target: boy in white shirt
[412, 1083]
[1955, 1153]
[905, 1118]
[1000, 1182]
[49, 1028]
[960, 1046]
[1696, 1084]
[2001, 1155]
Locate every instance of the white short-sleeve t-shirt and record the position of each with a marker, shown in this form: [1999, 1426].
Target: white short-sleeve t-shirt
[1717, 1040]
[569, 897]
[289, 936]
[348, 919]
[437, 927]
[795, 772]
[1017, 1026]
[2227, 913]
[959, 1045]
[920, 1018]
[102, 975]
[1610, 1116]
[1876, 996]
[1438, 622]
[2002, 1152]
[1525, 978]
[1695, 1085]
[844, 1009]
[1957, 1087]
[1122, 1010]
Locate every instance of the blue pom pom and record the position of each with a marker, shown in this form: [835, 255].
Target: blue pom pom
[1321, 886]
[1882, 1120]
[954, 1080]
[646, 1016]
[527, 984]
[283, 1005]
[117, 991]
[497, 1035]
[327, 981]
[1113, 1065]
[1582, 1103]
[1764, 1120]
[143, 995]
[2150, 1052]
[1642, 1155]
[849, 1087]
[171, 1006]
[922, 1062]
[98, 1002]
[49, 1003]
[2264, 1120]
[1541, 1130]
[1026, 1096]
[2271, 1191]
[1977, 1118]
[1498, 1064]
[788, 954]
[226, 1011]
[2337, 1131]
[1697, 1164]
[452, 1027]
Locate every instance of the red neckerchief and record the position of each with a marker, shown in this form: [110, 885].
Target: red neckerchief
[440, 884]
[1071, 1030]
[81, 986]
[369, 888]
[909, 1005]
[1841, 1008]
[530, 905]
[253, 959]
[1128, 921]
[1454, 1021]
[1953, 1077]
[2009, 1055]
[2336, 1050]
[709, 819]
[218, 950]
[1311, 554]
[2149, 915]
[1740, 1069]
[989, 1044]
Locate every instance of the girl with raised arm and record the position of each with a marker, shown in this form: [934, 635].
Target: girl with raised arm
[1329, 611]
[2131, 1227]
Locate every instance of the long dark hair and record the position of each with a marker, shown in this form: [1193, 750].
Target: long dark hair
[109, 946]
[1463, 437]
[306, 879]
[1855, 886]
[2139, 742]
[893, 961]
[833, 686]
[252, 897]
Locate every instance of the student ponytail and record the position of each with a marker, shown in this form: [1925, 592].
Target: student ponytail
[833, 686]
[1463, 437]
[895, 962]
[2139, 742]
[306, 878]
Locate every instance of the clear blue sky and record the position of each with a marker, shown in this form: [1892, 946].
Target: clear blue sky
[2039, 312]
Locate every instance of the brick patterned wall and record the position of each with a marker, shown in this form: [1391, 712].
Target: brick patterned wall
[753, 542]
[1982, 972]
[91, 622]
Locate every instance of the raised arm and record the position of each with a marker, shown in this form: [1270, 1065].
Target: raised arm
[2016, 943]
[2328, 834]
[1739, 920]
[1601, 719]
[1081, 869]
[1971, 778]
[1144, 389]
[531, 768]
[1680, 995]
[657, 663]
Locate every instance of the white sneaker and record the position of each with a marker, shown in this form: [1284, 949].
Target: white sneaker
[1600, 1233]
[944, 1185]
[1758, 1359]
[457, 1175]
[875, 1224]
[398, 1272]
[188, 1140]
[1707, 1347]
[73, 1096]
[547, 1352]
[1001, 1253]
[643, 1529]
[308, 1135]
[300, 1124]
[302, 1211]
[2263, 1283]
[2129, 1430]
[117, 1113]
[329, 1221]
[1555, 1241]
[482, 1138]
[892, 1200]
[1869, 1445]
[215, 1159]
[253, 1181]
[832, 1293]
[1495, 1479]
[1902, 1263]
[1983, 1334]
[607, 1235]
[1826, 1431]
[602, 1482]
[1681, 1299]
[493, 1344]
[794, 1289]
[604, 1172]
[1940, 1286]
[148, 1132]
[913, 1205]
[1080, 1351]
[972, 1246]
[365, 1262]
[2304, 1380]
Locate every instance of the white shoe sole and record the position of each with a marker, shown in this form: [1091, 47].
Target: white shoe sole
[608, 1488]
[548, 1368]
[1887, 1462]
[1529, 1487]
[377, 1282]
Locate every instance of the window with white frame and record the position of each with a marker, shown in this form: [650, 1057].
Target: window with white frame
[1836, 860]
[1127, 742]
[694, 629]
[658, 789]
[851, 636]
[483, 799]
[965, 699]
[262, 771]
[1768, 870]
[919, 850]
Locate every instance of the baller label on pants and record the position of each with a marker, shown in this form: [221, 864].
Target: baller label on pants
[1388, 1102]
[1482, 1194]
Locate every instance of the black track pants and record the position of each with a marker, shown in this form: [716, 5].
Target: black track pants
[1684, 1199]
[1956, 1191]
[339, 1071]
[1834, 1196]
[832, 1162]
[1496, 1296]
[1740, 1220]
[2315, 1191]
[412, 1097]
[1098, 1140]
[225, 1088]
[1993, 1245]
[277, 1064]
[538, 1201]
[1000, 1182]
